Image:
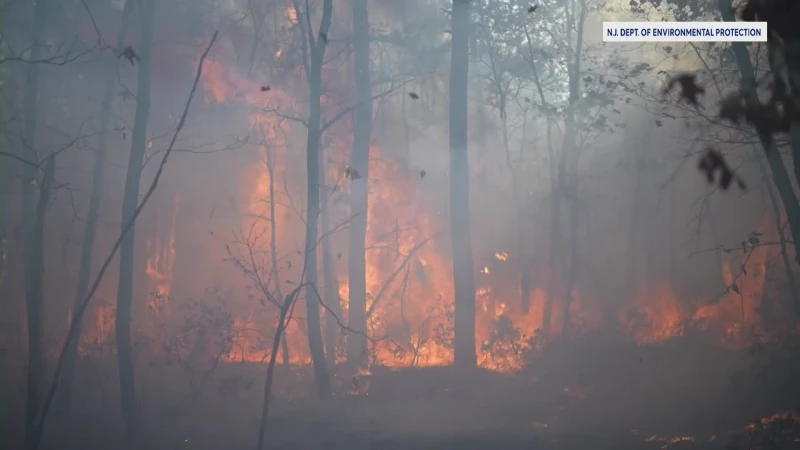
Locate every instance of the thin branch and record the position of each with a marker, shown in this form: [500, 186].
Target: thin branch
[79, 312]
[394, 275]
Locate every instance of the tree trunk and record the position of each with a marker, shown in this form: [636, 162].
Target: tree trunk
[460, 234]
[547, 308]
[323, 383]
[330, 289]
[776, 217]
[273, 244]
[521, 257]
[780, 175]
[130, 201]
[362, 123]
[571, 270]
[570, 153]
[277, 339]
[33, 290]
[32, 243]
[98, 178]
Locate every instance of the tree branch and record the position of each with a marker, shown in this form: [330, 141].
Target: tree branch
[79, 312]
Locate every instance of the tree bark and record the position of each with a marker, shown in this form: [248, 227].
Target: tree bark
[362, 123]
[460, 234]
[323, 383]
[98, 182]
[33, 289]
[330, 291]
[34, 264]
[571, 154]
[129, 203]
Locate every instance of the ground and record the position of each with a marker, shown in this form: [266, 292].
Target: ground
[655, 400]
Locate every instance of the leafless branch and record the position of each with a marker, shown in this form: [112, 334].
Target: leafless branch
[79, 312]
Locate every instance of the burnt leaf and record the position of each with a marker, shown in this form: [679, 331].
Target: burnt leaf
[689, 89]
[352, 173]
[713, 163]
[130, 55]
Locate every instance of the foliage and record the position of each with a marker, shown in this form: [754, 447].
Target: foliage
[776, 115]
[201, 340]
[505, 347]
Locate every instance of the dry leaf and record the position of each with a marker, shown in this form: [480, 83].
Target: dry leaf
[352, 173]
[130, 55]
[688, 85]
[712, 163]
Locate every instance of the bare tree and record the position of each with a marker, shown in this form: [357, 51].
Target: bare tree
[34, 233]
[460, 235]
[72, 332]
[314, 47]
[98, 183]
[273, 243]
[129, 202]
[362, 124]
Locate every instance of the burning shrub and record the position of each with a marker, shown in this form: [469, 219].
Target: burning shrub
[504, 350]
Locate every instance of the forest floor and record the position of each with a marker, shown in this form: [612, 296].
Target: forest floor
[653, 403]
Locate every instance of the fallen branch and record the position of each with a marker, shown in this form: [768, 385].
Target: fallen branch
[80, 311]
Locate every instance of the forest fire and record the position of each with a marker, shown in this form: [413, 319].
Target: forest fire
[409, 278]
[494, 243]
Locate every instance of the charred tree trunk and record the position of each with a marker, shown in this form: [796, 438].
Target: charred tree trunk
[460, 234]
[98, 181]
[359, 188]
[130, 201]
[323, 383]
[34, 266]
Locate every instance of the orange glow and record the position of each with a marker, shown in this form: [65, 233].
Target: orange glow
[408, 268]
[162, 257]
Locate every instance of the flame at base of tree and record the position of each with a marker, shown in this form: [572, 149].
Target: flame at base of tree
[408, 268]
